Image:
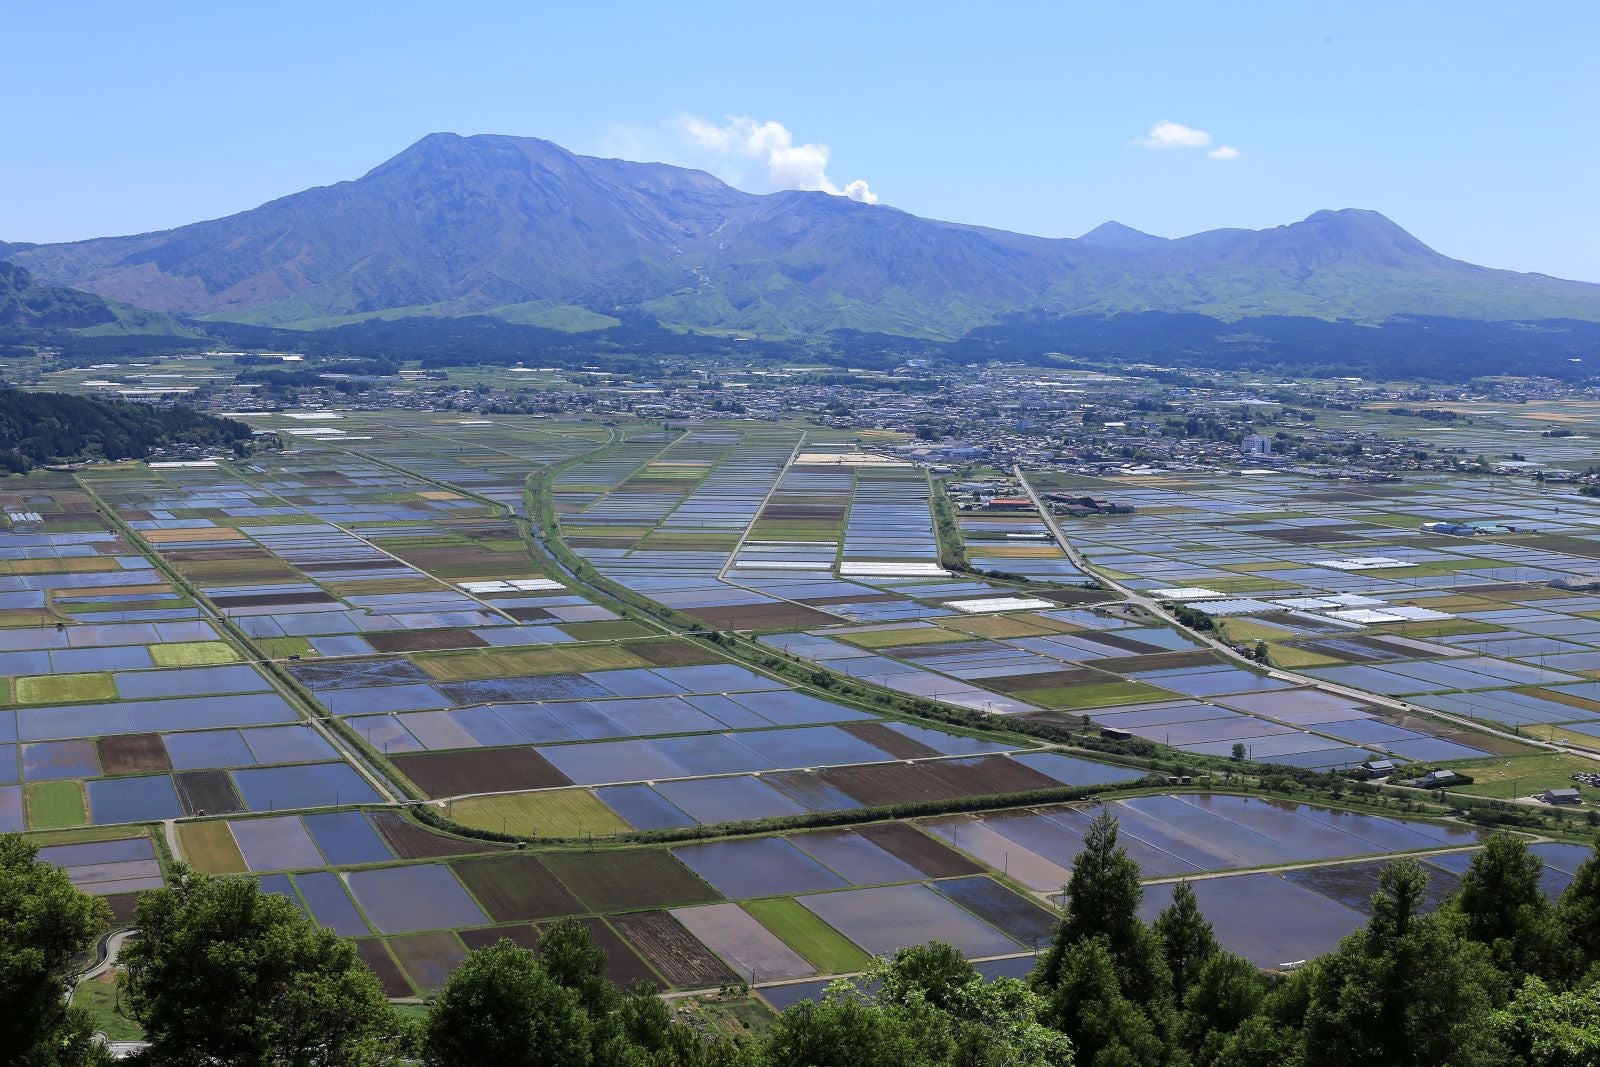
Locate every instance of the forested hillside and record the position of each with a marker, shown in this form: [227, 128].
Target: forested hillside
[25, 303]
[40, 428]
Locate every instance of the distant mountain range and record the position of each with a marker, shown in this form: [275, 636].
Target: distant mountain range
[523, 230]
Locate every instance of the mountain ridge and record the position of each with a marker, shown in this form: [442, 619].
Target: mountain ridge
[26, 305]
[458, 225]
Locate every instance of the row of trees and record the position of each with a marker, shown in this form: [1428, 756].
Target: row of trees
[1498, 976]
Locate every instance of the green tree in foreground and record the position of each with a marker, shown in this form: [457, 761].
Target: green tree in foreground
[1186, 937]
[223, 973]
[506, 1005]
[1404, 992]
[1500, 906]
[1551, 1029]
[926, 1006]
[45, 922]
[846, 1031]
[1578, 915]
[1087, 1004]
[1224, 991]
[1103, 898]
[502, 1007]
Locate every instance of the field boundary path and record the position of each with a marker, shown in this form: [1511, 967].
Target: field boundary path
[729, 563]
[1153, 607]
[242, 641]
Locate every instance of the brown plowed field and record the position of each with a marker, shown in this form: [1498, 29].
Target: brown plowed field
[209, 791]
[675, 952]
[670, 653]
[523, 934]
[375, 954]
[1016, 683]
[122, 907]
[880, 736]
[272, 600]
[1166, 661]
[132, 754]
[909, 845]
[413, 842]
[346, 566]
[637, 878]
[480, 770]
[778, 616]
[623, 965]
[516, 886]
[880, 784]
[424, 640]
[428, 958]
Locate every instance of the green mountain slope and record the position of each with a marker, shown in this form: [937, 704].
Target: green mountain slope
[521, 228]
[27, 305]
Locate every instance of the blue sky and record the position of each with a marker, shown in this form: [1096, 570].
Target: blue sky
[1472, 124]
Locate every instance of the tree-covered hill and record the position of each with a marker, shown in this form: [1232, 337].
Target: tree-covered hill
[40, 428]
[23, 302]
[32, 313]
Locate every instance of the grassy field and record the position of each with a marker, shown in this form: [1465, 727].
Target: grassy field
[504, 663]
[1067, 697]
[609, 630]
[911, 635]
[1241, 630]
[999, 626]
[99, 997]
[65, 688]
[1562, 735]
[728, 1019]
[55, 805]
[1291, 657]
[827, 949]
[284, 647]
[769, 530]
[703, 542]
[555, 813]
[1570, 699]
[192, 654]
[1281, 654]
[1521, 776]
[210, 848]
[1000, 550]
[83, 834]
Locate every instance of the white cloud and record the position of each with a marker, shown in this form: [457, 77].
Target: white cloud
[1168, 134]
[781, 163]
[858, 190]
[1175, 135]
